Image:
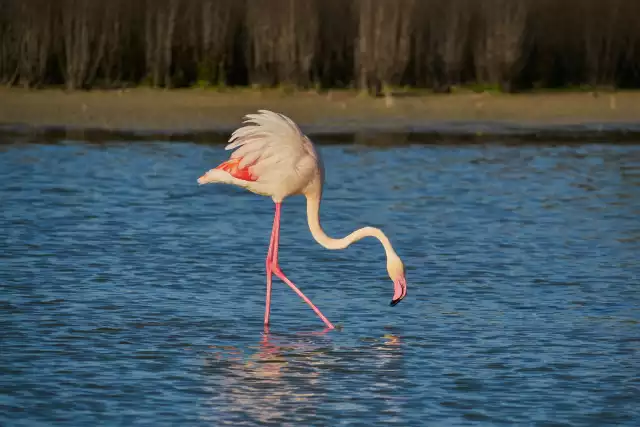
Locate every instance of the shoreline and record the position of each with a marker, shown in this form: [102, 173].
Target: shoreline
[339, 115]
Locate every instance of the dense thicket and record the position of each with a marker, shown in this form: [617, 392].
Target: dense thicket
[368, 44]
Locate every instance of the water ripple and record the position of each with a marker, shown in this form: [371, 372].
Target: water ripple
[129, 295]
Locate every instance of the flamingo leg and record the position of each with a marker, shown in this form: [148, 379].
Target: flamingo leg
[275, 268]
[269, 262]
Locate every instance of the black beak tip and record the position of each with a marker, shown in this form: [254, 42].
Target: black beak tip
[395, 302]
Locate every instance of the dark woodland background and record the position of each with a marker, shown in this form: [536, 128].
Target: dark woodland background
[367, 44]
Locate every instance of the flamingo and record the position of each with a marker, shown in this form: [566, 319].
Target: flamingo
[274, 158]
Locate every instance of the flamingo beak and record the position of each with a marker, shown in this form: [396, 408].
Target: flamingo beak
[203, 179]
[206, 178]
[399, 290]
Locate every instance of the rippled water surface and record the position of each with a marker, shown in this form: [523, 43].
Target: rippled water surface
[129, 295]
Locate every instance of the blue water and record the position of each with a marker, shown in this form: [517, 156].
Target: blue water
[130, 296]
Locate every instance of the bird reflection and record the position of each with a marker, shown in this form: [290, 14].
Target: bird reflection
[286, 378]
[391, 340]
[271, 358]
[388, 353]
[388, 376]
[270, 385]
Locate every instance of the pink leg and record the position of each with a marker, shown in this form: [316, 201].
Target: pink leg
[278, 272]
[269, 262]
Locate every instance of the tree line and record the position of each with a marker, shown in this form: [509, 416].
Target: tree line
[365, 44]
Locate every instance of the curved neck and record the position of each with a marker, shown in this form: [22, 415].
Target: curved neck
[313, 218]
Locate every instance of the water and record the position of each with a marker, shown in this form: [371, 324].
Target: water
[129, 295]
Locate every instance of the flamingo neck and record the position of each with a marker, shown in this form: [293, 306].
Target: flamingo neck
[313, 218]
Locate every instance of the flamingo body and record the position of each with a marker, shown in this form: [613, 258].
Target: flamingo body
[272, 157]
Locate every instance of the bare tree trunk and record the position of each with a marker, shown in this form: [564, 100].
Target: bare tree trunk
[457, 22]
[630, 61]
[363, 54]
[442, 29]
[160, 24]
[558, 43]
[9, 45]
[82, 47]
[602, 39]
[384, 40]
[8, 59]
[33, 26]
[75, 41]
[500, 47]
[283, 40]
[115, 40]
[217, 23]
[337, 29]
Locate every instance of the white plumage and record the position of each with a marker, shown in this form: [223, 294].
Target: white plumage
[272, 135]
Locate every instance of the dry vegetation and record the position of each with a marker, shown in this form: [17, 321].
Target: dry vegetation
[366, 44]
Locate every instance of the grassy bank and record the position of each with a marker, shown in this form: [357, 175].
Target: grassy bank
[200, 110]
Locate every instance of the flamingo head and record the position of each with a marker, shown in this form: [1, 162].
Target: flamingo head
[395, 267]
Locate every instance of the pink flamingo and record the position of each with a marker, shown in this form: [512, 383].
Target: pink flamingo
[274, 158]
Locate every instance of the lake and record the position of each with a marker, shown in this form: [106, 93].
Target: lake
[129, 295]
